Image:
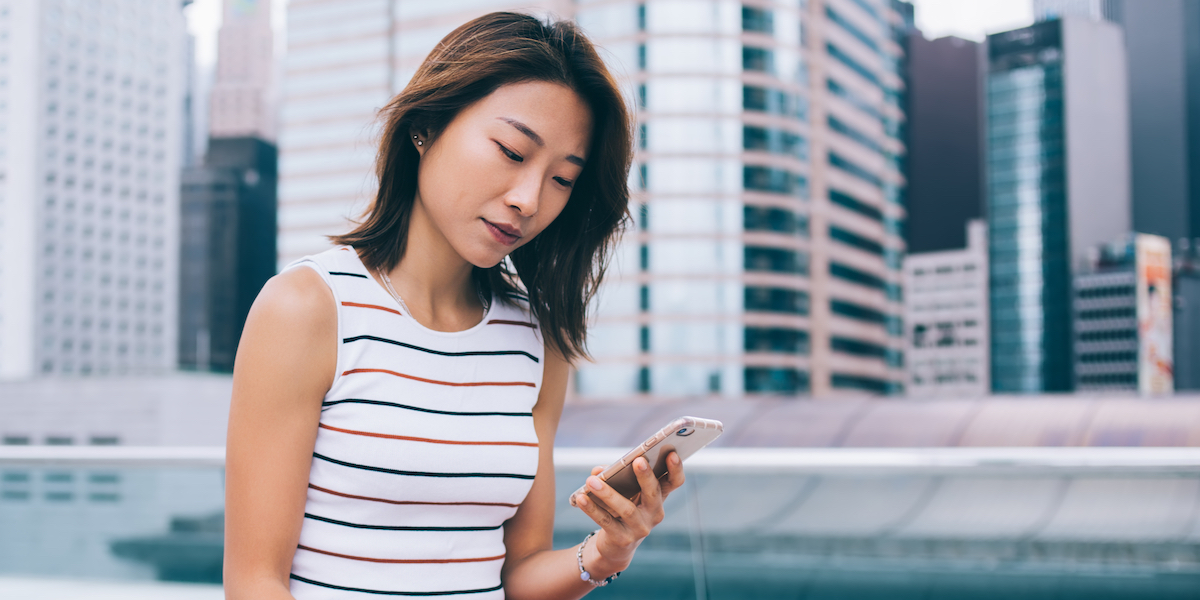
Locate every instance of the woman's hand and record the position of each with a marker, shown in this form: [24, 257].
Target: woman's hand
[626, 523]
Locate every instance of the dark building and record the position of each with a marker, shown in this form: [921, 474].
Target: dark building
[227, 247]
[1057, 186]
[945, 141]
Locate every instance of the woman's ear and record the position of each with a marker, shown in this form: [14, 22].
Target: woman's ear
[418, 141]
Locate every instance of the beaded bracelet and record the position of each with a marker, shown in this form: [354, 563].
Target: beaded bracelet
[583, 574]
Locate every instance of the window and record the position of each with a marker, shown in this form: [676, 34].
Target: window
[758, 59]
[774, 380]
[854, 134]
[758, 19]
[775, 260]
[776, 340]
[851, 28]
[849, 202]
[856, 276]
[856, 311]
[767, 218]
[777, 181]
[856, 382]
[840, 56]
[854, 240]
[775, 141]
[779, 300]
[854, 169]
[773, 101]
[855, 100]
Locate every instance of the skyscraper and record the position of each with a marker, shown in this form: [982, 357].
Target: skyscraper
[1058, 185]
[765, 256]
[766, 253]
[242, 101]
[945, 141]
[90, 110]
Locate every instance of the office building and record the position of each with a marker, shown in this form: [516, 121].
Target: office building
[946, 318]
[1123, 318]
[768, 181]
[242, 101]
[227, 249]
[945, 142]
[1046, 10]
[1058, 185]
[91, 102]
[766, 258]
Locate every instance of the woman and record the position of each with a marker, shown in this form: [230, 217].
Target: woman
[396, 398]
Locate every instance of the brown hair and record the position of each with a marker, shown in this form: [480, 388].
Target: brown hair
[562, 267]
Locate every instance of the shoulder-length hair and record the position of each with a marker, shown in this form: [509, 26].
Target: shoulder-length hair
[562, 267]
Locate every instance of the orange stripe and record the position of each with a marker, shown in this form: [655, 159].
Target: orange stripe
[432, 441]
[377, 307]
[451, 383]
[413, 502]
[414, 561]
[521, 323]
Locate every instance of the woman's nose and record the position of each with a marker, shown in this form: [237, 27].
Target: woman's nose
[524, 196]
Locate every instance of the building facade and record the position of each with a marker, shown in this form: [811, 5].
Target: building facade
[765, 256]
[946, 318]
[242, 101]
[1124, 305]
[91, 97]
[227, 248]
[1058, 185]
[945, 142]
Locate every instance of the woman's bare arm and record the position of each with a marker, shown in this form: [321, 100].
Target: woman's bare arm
[285, 364]
[532, 570]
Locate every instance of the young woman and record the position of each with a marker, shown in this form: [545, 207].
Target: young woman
[396, 397]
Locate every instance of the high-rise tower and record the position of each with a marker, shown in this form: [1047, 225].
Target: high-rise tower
[90, 110]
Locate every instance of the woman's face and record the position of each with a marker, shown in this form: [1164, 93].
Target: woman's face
[503, 169]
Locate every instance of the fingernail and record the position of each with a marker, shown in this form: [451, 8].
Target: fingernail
[581, 500]
[674, 458]
[640, 464]
[594, 482]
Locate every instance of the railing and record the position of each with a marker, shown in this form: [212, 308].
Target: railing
[931, 461]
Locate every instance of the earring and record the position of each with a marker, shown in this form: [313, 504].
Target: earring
[419, 142]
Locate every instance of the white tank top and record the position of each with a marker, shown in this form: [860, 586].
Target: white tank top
[425, 447]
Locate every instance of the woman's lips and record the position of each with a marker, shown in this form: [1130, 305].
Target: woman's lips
[503, 233]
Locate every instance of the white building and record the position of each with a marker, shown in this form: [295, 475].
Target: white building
[91, 96]
[946, 316]
[766, 257]
[243, 100]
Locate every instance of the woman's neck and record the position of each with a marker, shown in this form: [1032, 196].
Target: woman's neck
[435, 282]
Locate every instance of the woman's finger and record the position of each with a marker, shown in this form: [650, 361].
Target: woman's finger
[597, 470]
[675, 478]
[618, 505]
[602, 518]
[651, 491]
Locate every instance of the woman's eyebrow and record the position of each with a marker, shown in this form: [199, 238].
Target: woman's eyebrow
[537, 139]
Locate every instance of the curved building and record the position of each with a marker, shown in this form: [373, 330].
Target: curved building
[766, 248]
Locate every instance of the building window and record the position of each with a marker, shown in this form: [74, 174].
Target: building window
[857, 312]
[854, 169]
[861, 138]
[852, 29]
[775, 260]
[769, 218]
[854, 240]
[644, 379]
[857, 382]
[855, 276]
[775, 380]
[778, 300]
[773, 101]
[851, 203]
[776, 181]
[775, 141]
[758, 59]
[758, 19]
[775, 340]
[840, 56]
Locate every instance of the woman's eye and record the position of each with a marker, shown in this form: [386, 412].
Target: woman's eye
[564, 182]
[510, 154]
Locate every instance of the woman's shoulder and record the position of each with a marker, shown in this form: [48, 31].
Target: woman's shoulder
[300, 294]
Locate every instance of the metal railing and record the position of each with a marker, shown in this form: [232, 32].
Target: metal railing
[944, 461]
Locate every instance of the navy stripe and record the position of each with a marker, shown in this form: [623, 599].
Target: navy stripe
[426, 410]
[385, 593]
[422, 473]
[440, 352]
[344, 274]
[399, 527]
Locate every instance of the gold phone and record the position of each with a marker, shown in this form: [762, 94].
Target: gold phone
[685, 436]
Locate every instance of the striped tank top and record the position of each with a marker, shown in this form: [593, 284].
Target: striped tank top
[425, 447]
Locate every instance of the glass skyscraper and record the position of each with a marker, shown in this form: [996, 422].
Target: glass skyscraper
[1058, 180]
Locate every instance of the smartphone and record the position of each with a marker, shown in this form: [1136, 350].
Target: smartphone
[685, 435]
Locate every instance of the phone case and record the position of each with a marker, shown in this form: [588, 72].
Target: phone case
[685, 435]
